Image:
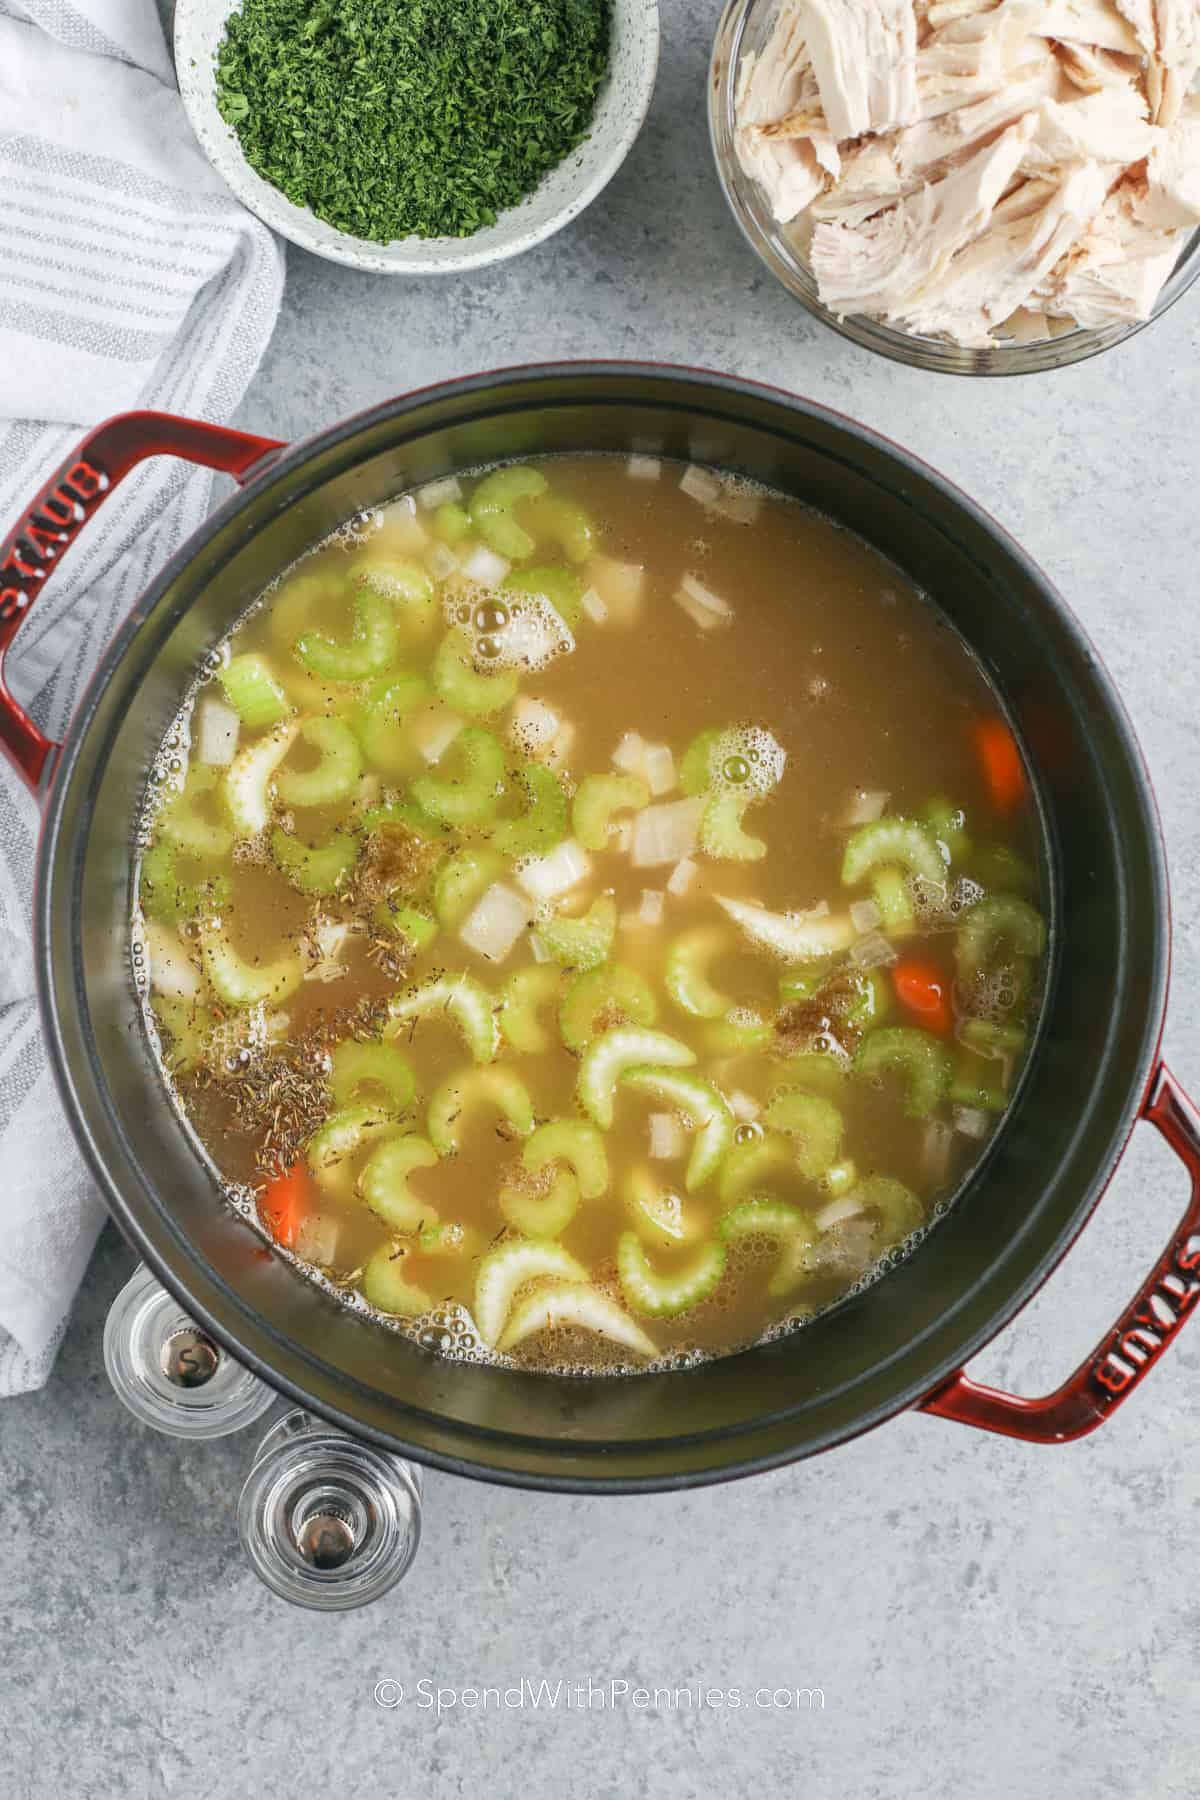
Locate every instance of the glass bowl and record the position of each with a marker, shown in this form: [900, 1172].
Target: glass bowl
[743, 28]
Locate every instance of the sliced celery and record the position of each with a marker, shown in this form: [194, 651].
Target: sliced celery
[401, 582]
[739, 1033]
[315, 868]
[451, 1103]
[407, 922]
[657, 1214]
[999, 869]
[891, 894]
[813, 1123]
[470, 796]
[949, 826]
[915, 1055]
[252, 690]
[386, 1287]
[524, 995]
[795, 937]
[460, 881]
[580, 943]
[383, 1182]
[492, 504]
[575, 1142]
[721, 832]
[355, 1064]
[503, 1271]
[182, 823]
[240, 983]
[790, 1228]
[379, 721]
[607, 1057]
[686, 975]
[857, 998]
[897, 1207]
[997, 923]
[341, 1137]
[840, 1177]
[695, 765]
[166, 896]
[460, 684]
[754, 1162]
[451, 522]
[373, 646]
[703, 1105]
[608, 995]
[402, 814]
[818, 1070]
[660, 1296]
[544, 820]
[249, 777]
[461, 999]
[541, 1206]
[552, 518]
[598, 798]
[892, 840]
[578, 1306]
[183, 1026]
[991, 1039]
[560, 586]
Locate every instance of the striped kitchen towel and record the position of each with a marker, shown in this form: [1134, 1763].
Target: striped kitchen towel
[129, 277]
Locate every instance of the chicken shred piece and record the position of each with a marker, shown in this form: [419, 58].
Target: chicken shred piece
[864, 54]
[879, 268]
[968, 168]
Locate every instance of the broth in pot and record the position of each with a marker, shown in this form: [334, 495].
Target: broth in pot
[591, 913]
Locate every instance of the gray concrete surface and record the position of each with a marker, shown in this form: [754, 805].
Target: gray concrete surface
[983, 1618]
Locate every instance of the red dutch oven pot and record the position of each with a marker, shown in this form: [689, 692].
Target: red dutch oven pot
[1094, 1071]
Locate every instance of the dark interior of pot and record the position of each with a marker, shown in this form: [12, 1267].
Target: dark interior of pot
[878, 1351]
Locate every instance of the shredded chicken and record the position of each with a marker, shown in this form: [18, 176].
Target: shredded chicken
[977, 170]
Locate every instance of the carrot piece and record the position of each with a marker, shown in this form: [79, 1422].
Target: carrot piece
[284, 1203]
[1003, 769]
[924, 991]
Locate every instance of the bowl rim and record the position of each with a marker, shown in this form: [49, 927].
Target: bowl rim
[1040, 356]
[249, 1336]
[297, 224]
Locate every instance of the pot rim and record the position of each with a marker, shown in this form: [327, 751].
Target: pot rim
[278, 466]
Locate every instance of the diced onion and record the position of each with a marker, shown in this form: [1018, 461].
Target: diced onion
[630, 754]
[621, 837]
[434, 732]
[644, 468]
[744, 1107]
[682, 875]
[441, 562]
[864, 807]
[848, 1206]
[700, 484]
[658, 765]
[437, 493]
[534, 724]
[705, 608]
[217, 730]
[594, 606]
[665, 833]
[650, 911]
[668, 1139]
[971, 1121]
[171, 970]
[561, 869]
[317, 1238]
[484, 566]
[495, 922]
[872, 951]
[620, 585]
[865, 916]
[738, 501]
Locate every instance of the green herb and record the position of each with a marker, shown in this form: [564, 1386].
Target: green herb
[401, 118]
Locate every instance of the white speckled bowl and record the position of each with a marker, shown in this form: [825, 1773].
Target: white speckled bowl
[561, 196]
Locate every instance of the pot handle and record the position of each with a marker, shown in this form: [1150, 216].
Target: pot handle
[1139, 1337]
[49, 526]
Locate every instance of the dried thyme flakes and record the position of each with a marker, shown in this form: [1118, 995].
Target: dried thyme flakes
[410, 118]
